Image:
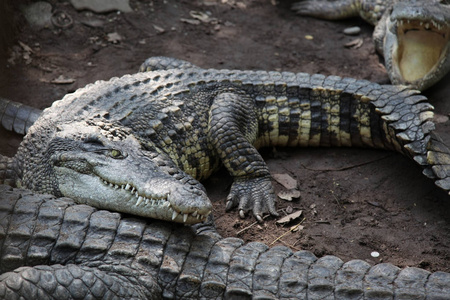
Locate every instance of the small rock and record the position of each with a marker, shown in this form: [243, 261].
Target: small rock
[352, 30]
[375, 254]
[38, 14]
[102, 6]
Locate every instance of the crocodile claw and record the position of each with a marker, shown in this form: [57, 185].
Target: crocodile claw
[255, 194]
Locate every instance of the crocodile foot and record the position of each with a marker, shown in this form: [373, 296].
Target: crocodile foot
[255, 194]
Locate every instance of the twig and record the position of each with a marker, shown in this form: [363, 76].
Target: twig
[349, 167]
[290, 230]
[290, 246]
[249, 226]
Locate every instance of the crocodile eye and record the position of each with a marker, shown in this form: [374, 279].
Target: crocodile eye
[116, 154]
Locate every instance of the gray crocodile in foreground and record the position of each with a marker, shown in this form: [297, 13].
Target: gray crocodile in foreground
[412, 35]
[139, 143]
[55, 249]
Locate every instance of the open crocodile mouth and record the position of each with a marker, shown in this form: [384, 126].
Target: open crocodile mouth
[156, 201]
[422, 46]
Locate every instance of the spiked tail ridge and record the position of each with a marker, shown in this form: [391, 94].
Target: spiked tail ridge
[438, 160]
[17, 117]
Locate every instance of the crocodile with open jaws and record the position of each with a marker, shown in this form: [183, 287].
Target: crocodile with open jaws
[137, 144]
[412, 35]
[56, 249]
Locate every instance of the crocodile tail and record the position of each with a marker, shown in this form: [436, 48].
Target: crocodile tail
[17, 117]
[438, 160]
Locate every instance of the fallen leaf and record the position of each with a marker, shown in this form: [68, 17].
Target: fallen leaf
[159, 29]
[289, 194]
[61, 79]
[289, 217]
[25, 47]
[355, 44]
[440, 118]
[296, 228]
[199, 16]
[286, 181]
[114, 37]
[190, 21]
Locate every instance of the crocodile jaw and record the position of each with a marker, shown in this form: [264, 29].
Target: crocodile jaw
[157, 198]
[417, 47]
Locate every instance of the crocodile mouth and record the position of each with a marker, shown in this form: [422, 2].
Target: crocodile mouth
[157, 198]
[422, 47]
[156, 201]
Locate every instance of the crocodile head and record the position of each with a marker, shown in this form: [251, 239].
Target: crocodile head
[417, 42]
[105, 166]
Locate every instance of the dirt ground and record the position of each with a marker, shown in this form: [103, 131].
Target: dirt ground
[354, 201]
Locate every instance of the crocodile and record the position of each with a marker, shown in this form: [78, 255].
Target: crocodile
[53, 248]
[140, 144]
[413, 36]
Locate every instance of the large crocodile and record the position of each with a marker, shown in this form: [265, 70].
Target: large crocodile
[55, 249]
[139, 143]
[413, 36]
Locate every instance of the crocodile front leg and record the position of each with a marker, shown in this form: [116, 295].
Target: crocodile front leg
[233, 127]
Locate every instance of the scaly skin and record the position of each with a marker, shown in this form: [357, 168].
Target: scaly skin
[413, 36]
[55, 249]
[114, 144]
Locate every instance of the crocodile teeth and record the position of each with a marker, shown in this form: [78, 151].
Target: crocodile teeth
[185, 216]
[139, 201]
[194, 214]
[133, 190]
[174, 215]
[137, 195]
[127, 187]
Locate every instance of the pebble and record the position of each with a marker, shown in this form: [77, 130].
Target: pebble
[38, 14]
[375, 254]
[352, 30]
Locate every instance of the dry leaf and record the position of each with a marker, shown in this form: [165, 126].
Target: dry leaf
[159, 29]
[61, 79]
[289, 194]
[296, 228]
[114, 37]
[355, 44]
[190, 21]
[199, 16]
[286, 181]
[290, 217]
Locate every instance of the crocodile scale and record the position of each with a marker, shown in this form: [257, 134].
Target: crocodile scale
[79, 252]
